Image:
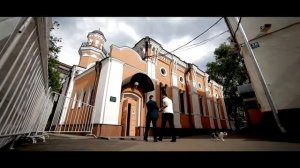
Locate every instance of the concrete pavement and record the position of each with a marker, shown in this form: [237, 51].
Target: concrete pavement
[192, 143]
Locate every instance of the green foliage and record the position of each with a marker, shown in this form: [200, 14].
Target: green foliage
[229, 71]
[53, 74]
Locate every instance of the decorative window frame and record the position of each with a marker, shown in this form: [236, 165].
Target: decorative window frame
[181, 81]
[160, 70]
[199, 85]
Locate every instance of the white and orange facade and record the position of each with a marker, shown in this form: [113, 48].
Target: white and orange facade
[119, 83]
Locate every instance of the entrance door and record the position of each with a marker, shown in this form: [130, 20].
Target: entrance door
[129, 116]
[124, 117]
[132, 121]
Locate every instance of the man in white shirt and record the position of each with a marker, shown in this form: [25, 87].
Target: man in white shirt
[167, 115]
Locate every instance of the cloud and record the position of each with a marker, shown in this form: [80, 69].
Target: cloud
[170, 32]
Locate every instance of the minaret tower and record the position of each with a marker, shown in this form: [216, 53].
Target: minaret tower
[92, 50]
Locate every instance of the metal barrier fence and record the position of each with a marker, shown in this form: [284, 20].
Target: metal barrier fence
[24, 99]
[71, 116]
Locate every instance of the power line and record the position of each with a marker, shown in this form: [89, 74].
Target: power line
[199, 35]
[202, 42]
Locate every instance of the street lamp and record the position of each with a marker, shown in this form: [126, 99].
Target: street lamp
[136, 84]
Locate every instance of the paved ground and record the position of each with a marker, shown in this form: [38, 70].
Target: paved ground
[192, 143]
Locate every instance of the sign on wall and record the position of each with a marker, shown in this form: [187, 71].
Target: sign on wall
[254, 45]
[112, 99]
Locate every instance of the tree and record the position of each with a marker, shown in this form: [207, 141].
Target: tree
[229, 71]
[53, 74]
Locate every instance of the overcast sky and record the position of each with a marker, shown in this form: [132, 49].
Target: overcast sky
[170, 32]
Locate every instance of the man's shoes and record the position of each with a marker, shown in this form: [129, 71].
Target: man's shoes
[173, 140]
[145, 139]
[155, 140]
[160, 139]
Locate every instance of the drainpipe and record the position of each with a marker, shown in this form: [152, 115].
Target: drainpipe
[98, 67]
[188, 95]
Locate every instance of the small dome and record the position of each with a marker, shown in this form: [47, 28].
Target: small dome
[97, 32]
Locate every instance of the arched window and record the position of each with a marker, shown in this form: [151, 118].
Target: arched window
[181, 100]
[90, 95]
[201, 105]
[74, 101]
[82, 98]
[163, 91]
